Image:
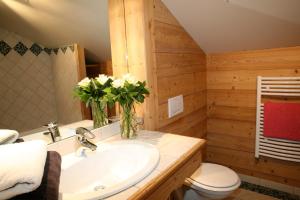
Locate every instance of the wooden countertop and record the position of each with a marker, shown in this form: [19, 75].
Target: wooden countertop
[179, 157]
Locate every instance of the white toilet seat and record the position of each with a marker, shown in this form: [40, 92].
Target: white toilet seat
[199, 187]
[214, 178]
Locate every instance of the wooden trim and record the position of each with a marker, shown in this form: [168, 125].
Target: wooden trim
[81, 71]
[93, 65]
[173, 177]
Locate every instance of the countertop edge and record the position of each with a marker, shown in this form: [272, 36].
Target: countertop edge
[145, 191]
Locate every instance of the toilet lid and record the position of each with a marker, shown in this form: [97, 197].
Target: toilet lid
[214, 175]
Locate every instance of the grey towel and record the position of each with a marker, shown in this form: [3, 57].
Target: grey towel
[49, 188]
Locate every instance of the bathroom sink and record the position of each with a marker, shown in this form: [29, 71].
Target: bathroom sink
[113, 167]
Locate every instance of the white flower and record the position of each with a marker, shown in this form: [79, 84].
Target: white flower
[84, 82]
[130, 79]
[102, 79]
[118, 83]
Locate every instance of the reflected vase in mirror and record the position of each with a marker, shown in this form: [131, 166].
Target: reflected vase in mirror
[93, 93]
[99, 113]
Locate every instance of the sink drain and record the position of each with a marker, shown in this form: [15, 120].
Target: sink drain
[99, 187]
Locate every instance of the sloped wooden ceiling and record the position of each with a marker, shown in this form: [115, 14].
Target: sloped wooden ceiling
[234, 25]
[59, 22]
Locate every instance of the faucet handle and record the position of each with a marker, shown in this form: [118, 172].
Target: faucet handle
[84, 132]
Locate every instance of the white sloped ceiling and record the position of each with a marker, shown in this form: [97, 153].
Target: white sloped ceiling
[53, 23]
[234, 25]
[216, 25]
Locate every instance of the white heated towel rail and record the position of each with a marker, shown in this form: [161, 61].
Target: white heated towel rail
[271, 147]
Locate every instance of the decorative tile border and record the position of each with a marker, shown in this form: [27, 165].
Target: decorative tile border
[4, 48]
[20, 48]
[268, 191]
[36, 49]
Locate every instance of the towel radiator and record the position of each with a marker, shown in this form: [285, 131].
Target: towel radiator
[273, 147]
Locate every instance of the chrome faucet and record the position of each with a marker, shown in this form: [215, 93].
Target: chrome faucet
[53, 131]
[82, 134]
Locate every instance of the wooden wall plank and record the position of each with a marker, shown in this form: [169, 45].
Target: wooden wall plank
[243, 79]
[117, 37]
[180, 70]
[170, 38]
[233, 128]
[81, 74]
[246, 160]
[184, 84]
[193, 124]
[162, 14]
[231, 106]
[131, 44]
[279, 58]
[230, 112]
[170, 60]
[233, 98]
[245, 144]
[191, 104]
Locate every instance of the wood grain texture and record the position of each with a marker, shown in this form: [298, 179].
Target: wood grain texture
[131, 45]
[161, 52]
[162, 14]
[180, 70]
[231, 104]
[81, 71]
[193, 124]
[171, 39]
[117, 31]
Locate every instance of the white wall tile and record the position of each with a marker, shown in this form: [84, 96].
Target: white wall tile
[20, 80]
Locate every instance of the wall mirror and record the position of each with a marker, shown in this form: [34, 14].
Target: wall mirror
[46, 47]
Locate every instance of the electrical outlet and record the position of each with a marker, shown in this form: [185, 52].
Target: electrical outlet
[175, 106]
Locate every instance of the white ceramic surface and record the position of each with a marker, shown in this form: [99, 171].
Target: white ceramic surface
[113, 167]
[214, 176]
[211, 181]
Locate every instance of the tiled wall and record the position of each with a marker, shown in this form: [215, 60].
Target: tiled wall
[65, 70]
[26, 83]
[36, 84]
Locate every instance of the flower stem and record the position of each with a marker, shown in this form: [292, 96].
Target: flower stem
[99, 113]
[128, 125]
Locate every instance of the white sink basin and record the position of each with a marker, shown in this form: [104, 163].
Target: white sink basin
[113, 167]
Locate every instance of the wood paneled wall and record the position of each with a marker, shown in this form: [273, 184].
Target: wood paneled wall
[179, 69]
[231, 99]
[131, 46]
[161, 52]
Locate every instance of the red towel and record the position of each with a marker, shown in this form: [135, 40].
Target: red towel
[282, 120]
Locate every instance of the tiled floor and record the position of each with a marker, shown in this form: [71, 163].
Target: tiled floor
[268, 191]
[242, 194]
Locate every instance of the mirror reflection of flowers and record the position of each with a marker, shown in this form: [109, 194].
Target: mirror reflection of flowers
[127, 91]
[92, 93]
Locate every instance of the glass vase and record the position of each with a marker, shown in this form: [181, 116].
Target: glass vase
[99, 113]
[128, 122]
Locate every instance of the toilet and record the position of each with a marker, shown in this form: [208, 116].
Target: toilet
[211, 181]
